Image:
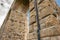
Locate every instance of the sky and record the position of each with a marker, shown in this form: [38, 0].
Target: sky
[4, 8]
[58, 2]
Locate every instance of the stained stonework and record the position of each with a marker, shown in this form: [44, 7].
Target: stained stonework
[49, 20]
[15, 25]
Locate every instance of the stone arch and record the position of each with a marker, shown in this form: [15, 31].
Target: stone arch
[15, 25]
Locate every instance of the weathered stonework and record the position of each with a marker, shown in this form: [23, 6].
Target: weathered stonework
[15, 25]
[49, 20]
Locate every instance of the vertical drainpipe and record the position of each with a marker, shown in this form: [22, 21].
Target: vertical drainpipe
[37, 19]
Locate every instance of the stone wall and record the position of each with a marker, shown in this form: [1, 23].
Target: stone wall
[15, 25]
[49, 20]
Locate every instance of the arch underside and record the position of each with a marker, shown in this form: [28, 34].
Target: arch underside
[15, 26]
